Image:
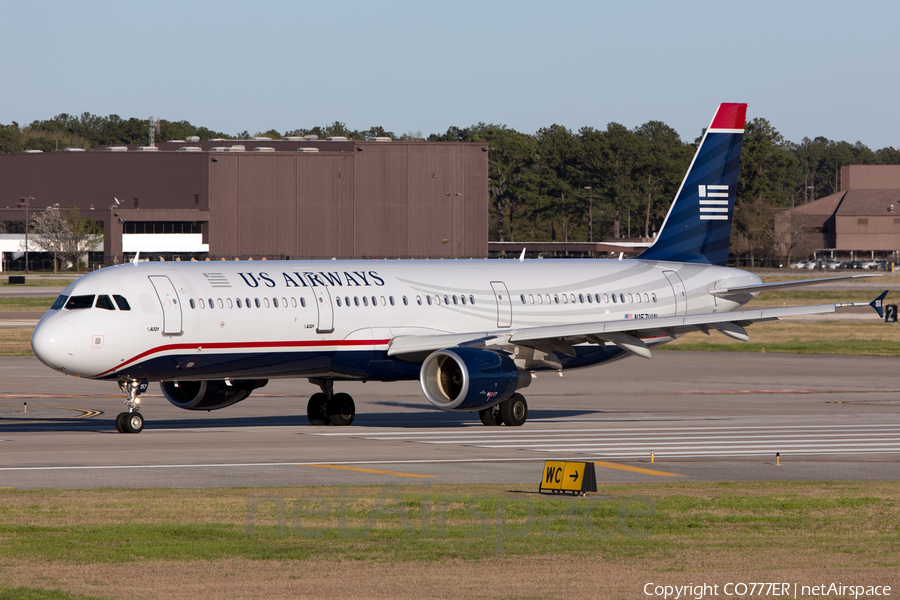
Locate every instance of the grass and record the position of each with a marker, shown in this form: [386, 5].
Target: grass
[16, 341]
[88, 541]
[471, 522]
[25, 304]
[38, 282]
[852, 338]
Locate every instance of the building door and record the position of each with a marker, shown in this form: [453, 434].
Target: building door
[504, 306]
[171, 306]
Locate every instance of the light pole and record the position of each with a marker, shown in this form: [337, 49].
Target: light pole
[27, 202]
[591, 213]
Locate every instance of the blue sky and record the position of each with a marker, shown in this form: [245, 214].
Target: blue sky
[812, 68]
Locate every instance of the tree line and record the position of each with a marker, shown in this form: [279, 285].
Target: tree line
[558, 184]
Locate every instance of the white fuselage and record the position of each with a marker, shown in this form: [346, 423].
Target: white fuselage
[222, 320]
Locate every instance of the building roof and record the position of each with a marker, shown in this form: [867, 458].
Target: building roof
[870, 203]
[826, 206]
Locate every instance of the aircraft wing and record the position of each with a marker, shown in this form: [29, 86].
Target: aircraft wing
[628, 334]
[784, 285]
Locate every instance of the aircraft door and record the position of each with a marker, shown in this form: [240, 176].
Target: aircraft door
[171, 306]
[325, 308]
[678, 289]
[504, 305]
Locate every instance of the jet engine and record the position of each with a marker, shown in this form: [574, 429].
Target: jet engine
[470, 378]
[208, 395]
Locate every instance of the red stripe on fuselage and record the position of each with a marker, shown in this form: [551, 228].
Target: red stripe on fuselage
[242, 345]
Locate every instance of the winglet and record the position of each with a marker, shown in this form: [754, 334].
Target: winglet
[878, 304]
[522, 256]
[137, 258]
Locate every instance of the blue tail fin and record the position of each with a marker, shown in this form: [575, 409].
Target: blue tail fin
[698, 226]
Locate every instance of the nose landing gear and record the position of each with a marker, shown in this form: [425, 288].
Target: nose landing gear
[131, 421]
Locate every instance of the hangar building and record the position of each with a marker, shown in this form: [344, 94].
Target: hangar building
[295, 198]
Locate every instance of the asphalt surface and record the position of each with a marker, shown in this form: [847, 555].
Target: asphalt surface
[703, 416]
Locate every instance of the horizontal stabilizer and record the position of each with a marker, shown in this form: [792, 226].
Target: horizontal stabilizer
[783, 285]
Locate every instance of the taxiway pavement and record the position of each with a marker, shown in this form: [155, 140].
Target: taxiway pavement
[704, 416]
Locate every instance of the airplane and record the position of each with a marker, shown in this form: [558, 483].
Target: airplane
[473, 332]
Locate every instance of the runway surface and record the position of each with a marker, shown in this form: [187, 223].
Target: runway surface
[703, 416]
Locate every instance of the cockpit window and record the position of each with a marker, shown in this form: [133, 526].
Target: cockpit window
[121, 302]
[105, 303]
[60, 302]
[79, 302]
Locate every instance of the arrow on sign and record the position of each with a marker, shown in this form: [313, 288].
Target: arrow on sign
[574, 476]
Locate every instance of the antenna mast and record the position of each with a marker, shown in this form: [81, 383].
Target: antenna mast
[154, 128]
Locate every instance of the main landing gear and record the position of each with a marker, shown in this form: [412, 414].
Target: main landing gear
[512, 412]
[327, 407]
[131, 421]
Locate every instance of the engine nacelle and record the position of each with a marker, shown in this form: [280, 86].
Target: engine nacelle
[208, 395]
[470, 378]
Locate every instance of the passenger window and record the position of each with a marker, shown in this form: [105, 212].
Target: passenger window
[219, 302]
[463, 299]
[374, 301]
[614, 298]
[210, 302]
[590, 299]
[523, 299]
[202, 303]
[239, 303]
[338, 300]
[581, 298]
[446, 300]
[653, 296]
[419, 300]
[606, 298]
[230, 303]
[121, 302]
[638, 298]
[191, 302]
[303, 302]
[365, 301]
[256, 301]
[646, 298]
[247, 302]
[531, 298]
[275, 302]
[405, 302]
[356, 300]
[283, 302]
[630, 298]
[540, 299]
[80, 302]
[597, 298]
[105, 303]
[428, 299]
[266, 302]
[556, 298]
[293, 302]
[391, 298]
[60, 302]
[471, 299]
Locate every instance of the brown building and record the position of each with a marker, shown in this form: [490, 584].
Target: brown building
[266, 198]
[861, 221]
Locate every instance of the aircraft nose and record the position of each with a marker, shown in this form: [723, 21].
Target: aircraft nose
[53, 343]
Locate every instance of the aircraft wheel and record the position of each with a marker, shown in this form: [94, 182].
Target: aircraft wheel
[315, 409]
[120, 422]
[514, 411]
[490, 416]
[341, 409]
[133, 422]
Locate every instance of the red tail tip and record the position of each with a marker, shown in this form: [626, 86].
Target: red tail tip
[730, 116]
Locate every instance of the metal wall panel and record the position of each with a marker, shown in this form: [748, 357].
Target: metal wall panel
[381, 207]
[435, 194]
[324, 221]
[267, 204]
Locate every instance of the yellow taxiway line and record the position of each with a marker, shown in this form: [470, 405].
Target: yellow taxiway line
[340, 468]
[610, 465]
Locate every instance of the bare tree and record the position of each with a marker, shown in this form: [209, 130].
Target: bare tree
[49, 233]
[67, 234]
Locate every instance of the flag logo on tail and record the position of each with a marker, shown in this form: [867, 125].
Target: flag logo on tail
[713, 210]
